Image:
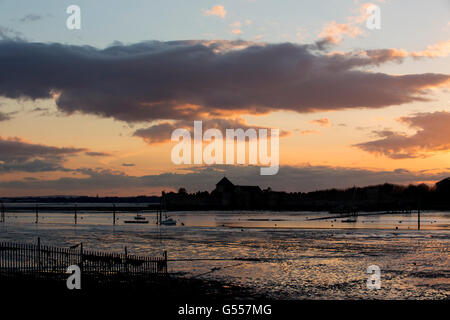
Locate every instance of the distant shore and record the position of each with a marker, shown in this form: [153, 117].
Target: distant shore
[149, 208]
[228, 196]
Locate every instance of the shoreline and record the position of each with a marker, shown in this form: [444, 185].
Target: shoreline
[73, 206]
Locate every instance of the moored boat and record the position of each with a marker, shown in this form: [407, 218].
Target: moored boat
[168, 222]
[138, 219]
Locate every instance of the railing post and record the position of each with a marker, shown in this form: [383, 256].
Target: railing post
[165, 261]
[126, 259]
[37, 214]
[81, 257]
[39, 253]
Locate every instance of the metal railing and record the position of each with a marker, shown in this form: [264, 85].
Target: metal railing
[37, 259]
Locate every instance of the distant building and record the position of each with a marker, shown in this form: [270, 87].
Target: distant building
[236, 196]
[224, 185]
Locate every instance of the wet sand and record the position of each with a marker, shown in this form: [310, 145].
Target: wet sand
[277, 262]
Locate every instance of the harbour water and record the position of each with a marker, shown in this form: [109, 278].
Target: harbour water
[284, 255]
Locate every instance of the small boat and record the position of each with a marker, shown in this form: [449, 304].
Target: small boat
[350, 220]
[137, 219]
[159, 219]
[168, 222]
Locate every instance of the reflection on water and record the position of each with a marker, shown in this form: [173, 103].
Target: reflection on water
[272, 220]
[285, 255]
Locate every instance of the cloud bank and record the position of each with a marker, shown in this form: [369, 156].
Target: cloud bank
[433, 135]
[185, 80]
[18, 155]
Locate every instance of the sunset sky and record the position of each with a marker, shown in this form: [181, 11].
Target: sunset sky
[91, 111]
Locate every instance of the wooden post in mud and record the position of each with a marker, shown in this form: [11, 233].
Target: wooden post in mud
[75, 216]
[114, 214]
[162, 206]
[2, 218]
[37, 214]
[418, 216]
[418, 219]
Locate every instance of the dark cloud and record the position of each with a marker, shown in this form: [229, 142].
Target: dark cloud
[433, 135]
[365, 58]
[16, 149]
[32, 166]
[9, 34]
[39, 109]
[182, 80]
[31, 18]
[43, 112]
[19, 155]
[162, 132]
[304, 178]
[158, 133]
[324, 122]
[128, 165]
[97, 154]
[4, 116]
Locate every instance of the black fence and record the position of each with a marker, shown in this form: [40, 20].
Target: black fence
[40, 260]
